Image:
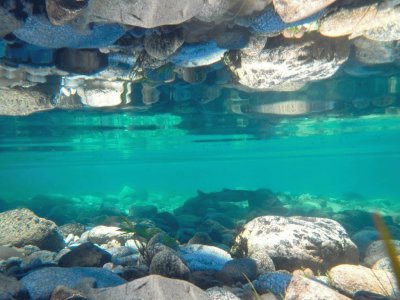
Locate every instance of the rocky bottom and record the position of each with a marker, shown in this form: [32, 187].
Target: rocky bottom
[233, 244]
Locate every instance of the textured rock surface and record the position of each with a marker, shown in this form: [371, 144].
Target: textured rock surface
[239, 270]
[69, 277]
[163, 45]
[219, 293]
[296, 242]
[272, 282]
[22, 227]
[8, 22]
[377, 251]
[153, 287]
[85, 255]
[303, 60]
[11, 288]
[301, 287]
[63, 11]
[351, 278]
[375, 52]
[167, 263]
[295, 10]
[103, 234]
[202, 257]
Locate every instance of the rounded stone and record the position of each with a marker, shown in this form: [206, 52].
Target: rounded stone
[167, 263]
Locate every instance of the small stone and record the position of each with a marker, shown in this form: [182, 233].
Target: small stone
[219, 293]
[203, 257]
[85, 255]
[167, 263]
[239, 270]
[377, 251]
[63, 11]
[296, 10]
[163, 45]
[274, 282]
[104, 234]
[63, 293]
[72, 228]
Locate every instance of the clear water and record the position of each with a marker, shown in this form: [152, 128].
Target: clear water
[165, 155]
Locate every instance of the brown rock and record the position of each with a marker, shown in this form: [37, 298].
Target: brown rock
[295, 10]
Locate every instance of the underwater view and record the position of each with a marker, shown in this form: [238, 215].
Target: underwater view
[200, 149]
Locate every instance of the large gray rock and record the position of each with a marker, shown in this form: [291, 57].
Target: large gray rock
[301, 287]
[296, 242]
[41, 283]
[145, 13]
[22, 227]
[23, 101]
[308, 59]
[295, 10]
[152, 287]
[167, 263]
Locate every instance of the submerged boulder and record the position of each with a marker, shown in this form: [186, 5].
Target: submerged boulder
[296, 242]
[295, 10]
[20, 227]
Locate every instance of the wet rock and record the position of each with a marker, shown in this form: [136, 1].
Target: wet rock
[304, 60]
[166, 221]
[238, 270]
[62, 293]
[163, 45]
[384, 264]
[7, 252]
[304, 288]
[85, 255]
[103, 93]
[23, 101]
[273, 282]
[147, 13]
[295, 10]
[8, 22]
[264, 262]
[377, 251]
[195, 55]
[63, 11]
[69, 277]
[37, 30]
[233, 39]
[103, 234]
[296, 242]
[351, 278]
[168, 264]
[214, 10]
[219, 293]
[205, 279]
[72, 228]
[194, 75]
[200, 238]
[364, 238]
[144, 211]
[153, 287]
[202, 257]
[22, 227]
[42, 256]
[376, 21]
[364, 295]
[80, 61]
[11, 288]
[164, 239]
[374, 52]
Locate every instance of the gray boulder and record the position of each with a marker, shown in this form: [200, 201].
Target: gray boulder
[291, 61]
[85, 255]
[152, 287]
[22, 227]
[296, 242]
[167, 263]
[71, 278]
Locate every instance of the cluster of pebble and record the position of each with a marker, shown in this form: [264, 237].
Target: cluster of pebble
[208, 248]
[75, 53]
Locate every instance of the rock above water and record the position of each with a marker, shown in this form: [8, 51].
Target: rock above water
[295, 10]
[308, 59]
[41, 283]
[22, 227]
[153, 287]
[296, 242]
[351, 278]
[85, 255]
[301, 287]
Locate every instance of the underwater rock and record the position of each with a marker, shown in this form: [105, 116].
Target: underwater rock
[7, 252]
[233, 39]
[146, 13]
[143, 211]
[200, 238]
[24, 101]
[195, 75]
[308, 59]
[352, 278]
[301, 287]
[62, 11]
[22, 227]
[296, 10]
[8, 22]
[80, 61]
[295, 242]
[377, 21]
[104, 234]
[152, 287]
[69, 277]
[168, 264]
[214, 10]
[238, 270]
[272, 282]
[37, 30]
[376, 251]
[203, 257]
[196, 55]
[162, 45]
[219, 293]
[72, 228]
[62, 293]
[372, 52]
[103, 93]
[263, 260]
[364, 238]
[41, 257]
[85, 255]
[11, 288]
